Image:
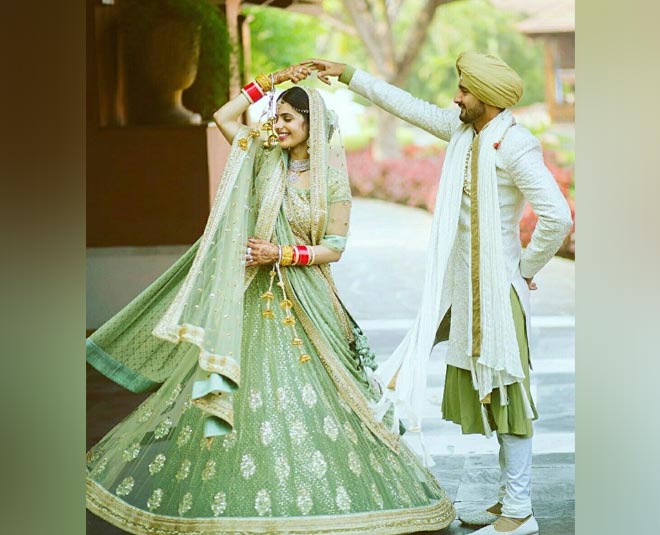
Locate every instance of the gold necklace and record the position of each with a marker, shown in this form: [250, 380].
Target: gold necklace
[467, 188]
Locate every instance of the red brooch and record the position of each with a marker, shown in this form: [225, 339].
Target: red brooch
[496, 145]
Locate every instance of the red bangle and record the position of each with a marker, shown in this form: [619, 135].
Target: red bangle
[253, 92]
[303, 255]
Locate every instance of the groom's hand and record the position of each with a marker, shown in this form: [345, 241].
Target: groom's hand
[531, 284]
[324, 68]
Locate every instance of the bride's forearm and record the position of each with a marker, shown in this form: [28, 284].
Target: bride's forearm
[228, 116]
[324, 255]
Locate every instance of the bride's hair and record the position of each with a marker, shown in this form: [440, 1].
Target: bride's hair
[296, 98]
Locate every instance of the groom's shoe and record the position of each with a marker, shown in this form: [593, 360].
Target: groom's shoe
[477, 518]
[481, 517]
[511, 527]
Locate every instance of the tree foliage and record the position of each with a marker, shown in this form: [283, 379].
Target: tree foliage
[475, 25]
[393, 33]
[280, 38]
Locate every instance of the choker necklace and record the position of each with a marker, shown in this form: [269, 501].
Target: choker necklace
[295, 168]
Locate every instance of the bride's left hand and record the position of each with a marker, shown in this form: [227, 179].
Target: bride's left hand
[261, 252]
[294, 73]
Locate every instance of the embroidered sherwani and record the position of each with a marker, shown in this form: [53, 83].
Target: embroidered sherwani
[521, 177]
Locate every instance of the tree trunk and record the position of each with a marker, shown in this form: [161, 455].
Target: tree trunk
[376, 30]
[385, 142]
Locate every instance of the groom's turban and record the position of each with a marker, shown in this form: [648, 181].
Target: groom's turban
[489, 79]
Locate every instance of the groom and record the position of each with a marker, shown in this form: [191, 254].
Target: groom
[478, 277]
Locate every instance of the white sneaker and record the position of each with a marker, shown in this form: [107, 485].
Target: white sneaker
[477, 518]
[529, 527]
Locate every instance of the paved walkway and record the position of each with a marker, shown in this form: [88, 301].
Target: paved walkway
[379, 279]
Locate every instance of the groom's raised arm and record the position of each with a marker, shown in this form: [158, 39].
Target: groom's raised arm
[441, 122]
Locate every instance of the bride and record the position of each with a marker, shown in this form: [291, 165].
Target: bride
[260, 420]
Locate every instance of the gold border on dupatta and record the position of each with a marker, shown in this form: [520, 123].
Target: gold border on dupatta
[221, 364]
[437, 515]
[318, 164]
[336, 301]
[210, 362]
[216, 405]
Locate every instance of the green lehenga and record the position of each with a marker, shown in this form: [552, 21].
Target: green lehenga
[304, 454]
[298, 452]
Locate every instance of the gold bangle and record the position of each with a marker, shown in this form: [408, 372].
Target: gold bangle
[264, 82]
[312, 256]
[287, 255]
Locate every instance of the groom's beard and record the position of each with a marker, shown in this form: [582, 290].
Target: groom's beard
[469, 115]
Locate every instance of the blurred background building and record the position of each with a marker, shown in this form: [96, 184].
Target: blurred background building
[553, 23]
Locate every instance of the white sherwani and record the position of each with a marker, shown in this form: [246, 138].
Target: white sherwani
[521, 176]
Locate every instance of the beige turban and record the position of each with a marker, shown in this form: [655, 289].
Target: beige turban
[489, 79]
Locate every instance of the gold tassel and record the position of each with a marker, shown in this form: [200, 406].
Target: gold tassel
[286, 304]
[243, 142]
[268, 296]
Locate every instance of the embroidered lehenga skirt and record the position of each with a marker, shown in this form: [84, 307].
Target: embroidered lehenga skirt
[300, 459]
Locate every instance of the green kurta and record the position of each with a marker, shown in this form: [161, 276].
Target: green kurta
[460, 401]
